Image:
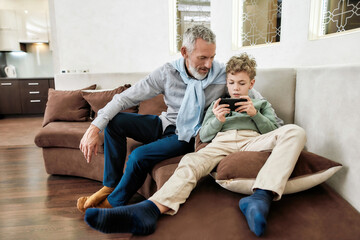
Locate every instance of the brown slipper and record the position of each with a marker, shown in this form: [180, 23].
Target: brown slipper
[80, 204]
[94, 200]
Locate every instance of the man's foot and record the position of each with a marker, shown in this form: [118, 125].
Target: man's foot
[256, 208]
[94, 200]
[138, 218]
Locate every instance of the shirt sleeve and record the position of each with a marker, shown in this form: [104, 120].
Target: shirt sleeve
[256, 95]
[264, 119]
[149, 87]
[211, 125]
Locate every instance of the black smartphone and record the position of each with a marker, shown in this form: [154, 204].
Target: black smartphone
[231, 102]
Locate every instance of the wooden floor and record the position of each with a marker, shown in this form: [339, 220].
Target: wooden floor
[35, 205]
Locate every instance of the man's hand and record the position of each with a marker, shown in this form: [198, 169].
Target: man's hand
[220, 110]
[90, 142]
[247, 106]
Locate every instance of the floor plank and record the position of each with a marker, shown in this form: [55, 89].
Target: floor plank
[35, 205]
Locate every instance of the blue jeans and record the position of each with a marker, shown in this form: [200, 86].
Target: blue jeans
[158, 146]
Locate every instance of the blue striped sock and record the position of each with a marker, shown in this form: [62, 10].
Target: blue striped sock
[138, 218]
[256, 208]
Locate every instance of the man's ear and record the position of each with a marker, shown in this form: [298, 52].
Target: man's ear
[252, 82]
[183, 51]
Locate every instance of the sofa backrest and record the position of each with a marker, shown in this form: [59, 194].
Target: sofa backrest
[327, 107]
[277, 85]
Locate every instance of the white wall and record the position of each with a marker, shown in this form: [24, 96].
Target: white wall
[110, 35]
[294, 49]
[133, 36]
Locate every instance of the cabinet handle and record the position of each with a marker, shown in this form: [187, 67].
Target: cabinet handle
[6, 84]
[33, 84]
[34, 101]
[35, 92]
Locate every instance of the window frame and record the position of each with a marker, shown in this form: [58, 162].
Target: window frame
[237, 29]
[173, 44]
[315, 23]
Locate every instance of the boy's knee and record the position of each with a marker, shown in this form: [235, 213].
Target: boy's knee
[294, 131]
[190, 166]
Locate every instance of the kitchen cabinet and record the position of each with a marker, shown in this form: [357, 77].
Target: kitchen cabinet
[24, 96]
[8, 31]
[33, 27]
[10, 97]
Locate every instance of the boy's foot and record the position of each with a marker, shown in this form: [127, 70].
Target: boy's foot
[256, 208]
[138, 218]
[94, 200]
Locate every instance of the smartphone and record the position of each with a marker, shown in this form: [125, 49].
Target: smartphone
[231, 102]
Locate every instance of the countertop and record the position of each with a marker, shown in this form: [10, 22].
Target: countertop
[25, 78]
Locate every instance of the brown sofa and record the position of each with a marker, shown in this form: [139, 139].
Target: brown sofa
[211, 211]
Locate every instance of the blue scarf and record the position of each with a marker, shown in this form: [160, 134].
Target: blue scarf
[191, 111]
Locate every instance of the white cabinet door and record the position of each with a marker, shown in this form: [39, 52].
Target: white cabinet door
[33, 26]
[8, 31]
[8, 40]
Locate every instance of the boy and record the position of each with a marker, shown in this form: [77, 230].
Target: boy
[251, 127]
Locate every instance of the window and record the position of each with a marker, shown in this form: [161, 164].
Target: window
[256, 22]
[333, 16]
[184, 14]
[340, 15]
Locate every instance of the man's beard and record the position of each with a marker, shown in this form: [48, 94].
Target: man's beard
[193, 71]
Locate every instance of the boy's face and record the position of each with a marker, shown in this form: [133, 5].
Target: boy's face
[239, 84]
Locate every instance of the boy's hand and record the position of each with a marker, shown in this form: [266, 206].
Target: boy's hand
[247, 106]
[220, 110]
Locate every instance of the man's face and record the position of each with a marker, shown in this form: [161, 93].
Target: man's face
[199, 61]
[239, 84]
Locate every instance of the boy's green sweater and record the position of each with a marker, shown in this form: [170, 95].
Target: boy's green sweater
[263, 122]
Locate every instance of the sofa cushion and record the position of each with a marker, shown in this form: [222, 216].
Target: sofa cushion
[278, 86]
[162, 171]
[65, 105]
[99, 98]
[64, 134]
[237, 172]
[153, 106]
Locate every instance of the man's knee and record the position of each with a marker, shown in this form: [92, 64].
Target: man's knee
[121, 120]
[138, 160]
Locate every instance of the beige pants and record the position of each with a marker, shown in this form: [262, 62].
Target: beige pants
[285, 142]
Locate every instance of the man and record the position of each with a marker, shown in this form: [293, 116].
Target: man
[189, 85]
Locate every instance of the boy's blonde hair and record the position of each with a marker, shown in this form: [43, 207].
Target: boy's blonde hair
[242, 63]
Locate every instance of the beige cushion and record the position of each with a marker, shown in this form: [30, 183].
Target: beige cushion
[237, 172]
[66, 106]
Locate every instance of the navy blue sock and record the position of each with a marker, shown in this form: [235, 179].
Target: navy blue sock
[256, 208]
[138, 218]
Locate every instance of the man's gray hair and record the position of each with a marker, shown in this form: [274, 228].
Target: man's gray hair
[195, 32]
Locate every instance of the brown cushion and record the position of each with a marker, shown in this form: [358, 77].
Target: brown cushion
[64, 135]
[99, 98]
[162, 171]
[237, 172]
[153, 106]
[66, 106]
